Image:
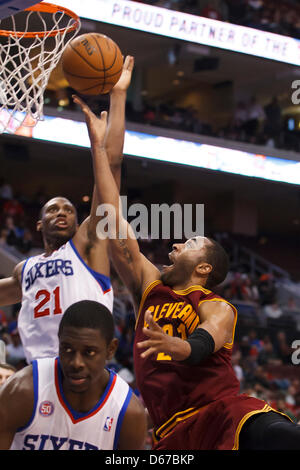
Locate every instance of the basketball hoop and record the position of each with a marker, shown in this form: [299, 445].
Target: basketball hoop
[31, 44]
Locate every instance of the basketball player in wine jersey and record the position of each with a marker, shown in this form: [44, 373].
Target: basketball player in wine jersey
[184, 339]
[75, 264]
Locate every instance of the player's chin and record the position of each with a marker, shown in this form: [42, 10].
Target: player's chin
[63, 234]
[77, 385]
[166, 275]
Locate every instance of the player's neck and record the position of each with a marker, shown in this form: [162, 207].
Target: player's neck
[51, 246]
[193, 281]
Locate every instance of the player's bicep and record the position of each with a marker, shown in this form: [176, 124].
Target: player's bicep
[16, 405]
[10, 287]
[217, 318]
[134, 427]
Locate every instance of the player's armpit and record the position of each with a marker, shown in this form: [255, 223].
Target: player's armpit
[218, 319]
[135, 270]
[16, 405]
[134, 427]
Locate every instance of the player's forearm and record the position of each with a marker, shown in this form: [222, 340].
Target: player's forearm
[115, 133]
[106, 188]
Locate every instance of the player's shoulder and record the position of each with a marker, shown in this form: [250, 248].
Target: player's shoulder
[19, 384]
[17, 397]
[215, 305]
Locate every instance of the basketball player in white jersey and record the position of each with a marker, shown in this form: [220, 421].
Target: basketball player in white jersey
[73, 402]
[75, 264]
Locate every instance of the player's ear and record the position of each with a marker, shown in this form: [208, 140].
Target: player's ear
[203, 269]
[111, 349]
[39, 226]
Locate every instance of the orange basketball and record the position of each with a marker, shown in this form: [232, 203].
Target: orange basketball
[92, 64]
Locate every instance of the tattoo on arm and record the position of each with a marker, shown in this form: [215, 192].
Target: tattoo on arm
[125, 251]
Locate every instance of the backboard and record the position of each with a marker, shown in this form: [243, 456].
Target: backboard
[11, 7]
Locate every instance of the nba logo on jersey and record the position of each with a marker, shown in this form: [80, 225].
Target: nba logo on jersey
[46, 408]
[108, 424]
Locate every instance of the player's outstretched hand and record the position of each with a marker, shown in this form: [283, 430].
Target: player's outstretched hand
[125, 78]
[96, 125]
[161, 342]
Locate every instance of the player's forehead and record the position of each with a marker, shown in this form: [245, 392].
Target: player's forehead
[81, 338]
[58, 201]
[196, 243]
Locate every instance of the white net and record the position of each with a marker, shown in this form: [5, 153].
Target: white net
[27, 62]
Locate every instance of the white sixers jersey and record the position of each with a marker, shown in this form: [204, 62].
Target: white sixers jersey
[54, 425]
[49, 286]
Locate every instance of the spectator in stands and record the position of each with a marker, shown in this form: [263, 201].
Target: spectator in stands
[267, 289]
[6, 371]
[240, 116]
[284, 350]
[26, 242]
[236, 359]
[272, 311]
[3, 237]
[267, 354]
[255, 115]
[6, 191]
[13, 208]
[12, 238]
[273, 121]
[282, 406]
[14, 351]
[213, 9]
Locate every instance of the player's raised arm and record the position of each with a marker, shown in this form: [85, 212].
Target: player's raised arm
[115, 133]
[114, 140]
[134, 269]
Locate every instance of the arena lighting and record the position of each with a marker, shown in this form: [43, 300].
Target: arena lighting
[166, 149]
[187, 27]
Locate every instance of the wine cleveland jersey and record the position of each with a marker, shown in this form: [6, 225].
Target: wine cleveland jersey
[170, 389]
[49, 286]
[54, 425]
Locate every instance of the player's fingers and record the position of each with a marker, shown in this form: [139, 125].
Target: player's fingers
[128, 63]
[148, 352]
[153, 335]
[103, 115]
[150, 321]
[84, 107]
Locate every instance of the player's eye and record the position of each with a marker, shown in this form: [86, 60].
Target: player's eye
[90, 352]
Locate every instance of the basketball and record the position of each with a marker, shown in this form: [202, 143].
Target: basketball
[92, 64]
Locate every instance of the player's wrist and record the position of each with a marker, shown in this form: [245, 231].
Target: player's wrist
[180, 349]
[118, 92]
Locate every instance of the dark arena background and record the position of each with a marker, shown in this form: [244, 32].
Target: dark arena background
[213, 118]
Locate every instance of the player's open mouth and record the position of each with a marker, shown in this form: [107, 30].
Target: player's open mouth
[167, 266]
[62, 223]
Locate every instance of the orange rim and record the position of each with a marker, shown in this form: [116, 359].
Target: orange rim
[45, 8]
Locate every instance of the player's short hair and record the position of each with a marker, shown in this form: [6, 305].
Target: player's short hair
[89, 314]
[219, 259]
[42, 209]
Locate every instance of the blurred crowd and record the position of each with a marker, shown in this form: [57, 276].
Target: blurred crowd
[250, 122]
[280, 17]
